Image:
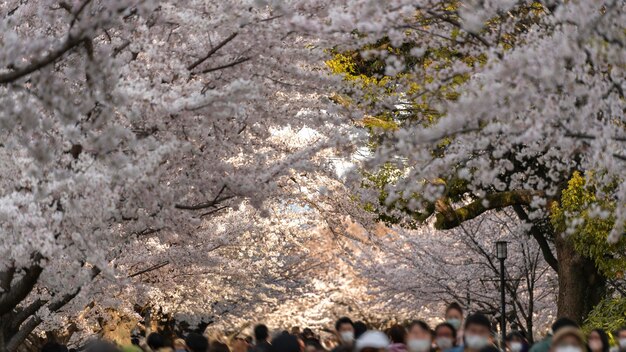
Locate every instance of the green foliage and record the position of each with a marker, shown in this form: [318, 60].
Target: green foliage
[590, 231]
[610, 314]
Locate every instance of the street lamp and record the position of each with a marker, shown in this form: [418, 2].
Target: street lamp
[501, 255]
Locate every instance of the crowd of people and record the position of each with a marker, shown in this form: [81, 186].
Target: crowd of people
[457, 334]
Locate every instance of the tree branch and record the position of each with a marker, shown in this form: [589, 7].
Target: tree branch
[19, 291]
[234, 63]
[212, 51]
[538, 235]
[35, 65]
[448, 218]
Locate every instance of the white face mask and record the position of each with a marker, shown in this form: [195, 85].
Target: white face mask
[418, 345]
[595, 345]
[622, 343]
[476, 342]
[456, 323]
[516, 346]
[444, 343]
[347, 336]
[568, 349]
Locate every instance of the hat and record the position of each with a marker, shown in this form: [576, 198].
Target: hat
[568, 331]
[372, 339]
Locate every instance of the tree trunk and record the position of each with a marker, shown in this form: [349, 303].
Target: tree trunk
[581, 286]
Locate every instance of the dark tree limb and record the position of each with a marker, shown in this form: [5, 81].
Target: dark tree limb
[539, 236]
[70, 43]
[448, 218]
[53, 306]
[234, 63]
[212, 51]
[9, 300]
[152, 268]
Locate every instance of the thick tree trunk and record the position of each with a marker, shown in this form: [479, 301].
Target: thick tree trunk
[581, 286]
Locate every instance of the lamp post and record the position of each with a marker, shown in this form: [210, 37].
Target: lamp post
[501, 255]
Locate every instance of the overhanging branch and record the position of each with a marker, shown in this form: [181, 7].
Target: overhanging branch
[448, 218]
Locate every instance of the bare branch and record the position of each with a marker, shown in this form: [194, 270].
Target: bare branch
[212, 51]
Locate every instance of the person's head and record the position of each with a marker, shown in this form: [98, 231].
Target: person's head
[420, 337]
[562, 323]
[53, 347]
[568, 339]
[397, 334]
[345, 330]
[598, 341]
[285, 343]
[307, 333]
[100, 346]
[515, 341]
[240, 344]
[155, 341]
[261, 333]
[620, 336]
[359, 328]
[445, 336]
[372, 341]
[454, 315]
[217, 346]
[197, 343]
[477, 332]
[179, 345]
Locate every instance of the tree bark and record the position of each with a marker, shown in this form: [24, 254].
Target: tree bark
[581, 285]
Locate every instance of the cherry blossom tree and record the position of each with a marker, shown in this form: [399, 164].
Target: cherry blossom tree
[412, 270]
[475, 106]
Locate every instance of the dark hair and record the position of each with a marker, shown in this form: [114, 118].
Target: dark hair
[623, 328]
[449, 326]
[155, 341]
[285, 343]
[513, 334]
[359, 328]
[217, 346]
[341, 321]
[307, 333]
[422, 324]
[261, 332]
[197, 343]
[489, 348]
[397, 334]
[604, 338]
[563, 322]
[478, 319]
[454, 306]
[53, 347]
[100, 346]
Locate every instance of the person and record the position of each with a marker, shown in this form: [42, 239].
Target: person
[156, 342]
[100, 346]
[217, 346]
[598, 341]
[372, 341]
[359, 328]
[197, 343]
[544, 345]
[286, 343]
[345, 331]
[568, 339]
[240, 344]
[478, 334]
[454, 317]
[261, 334]
[445, 337]
[397, 335]
[515, 342]
[419, 337]
[179, 345]
[620, 337]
